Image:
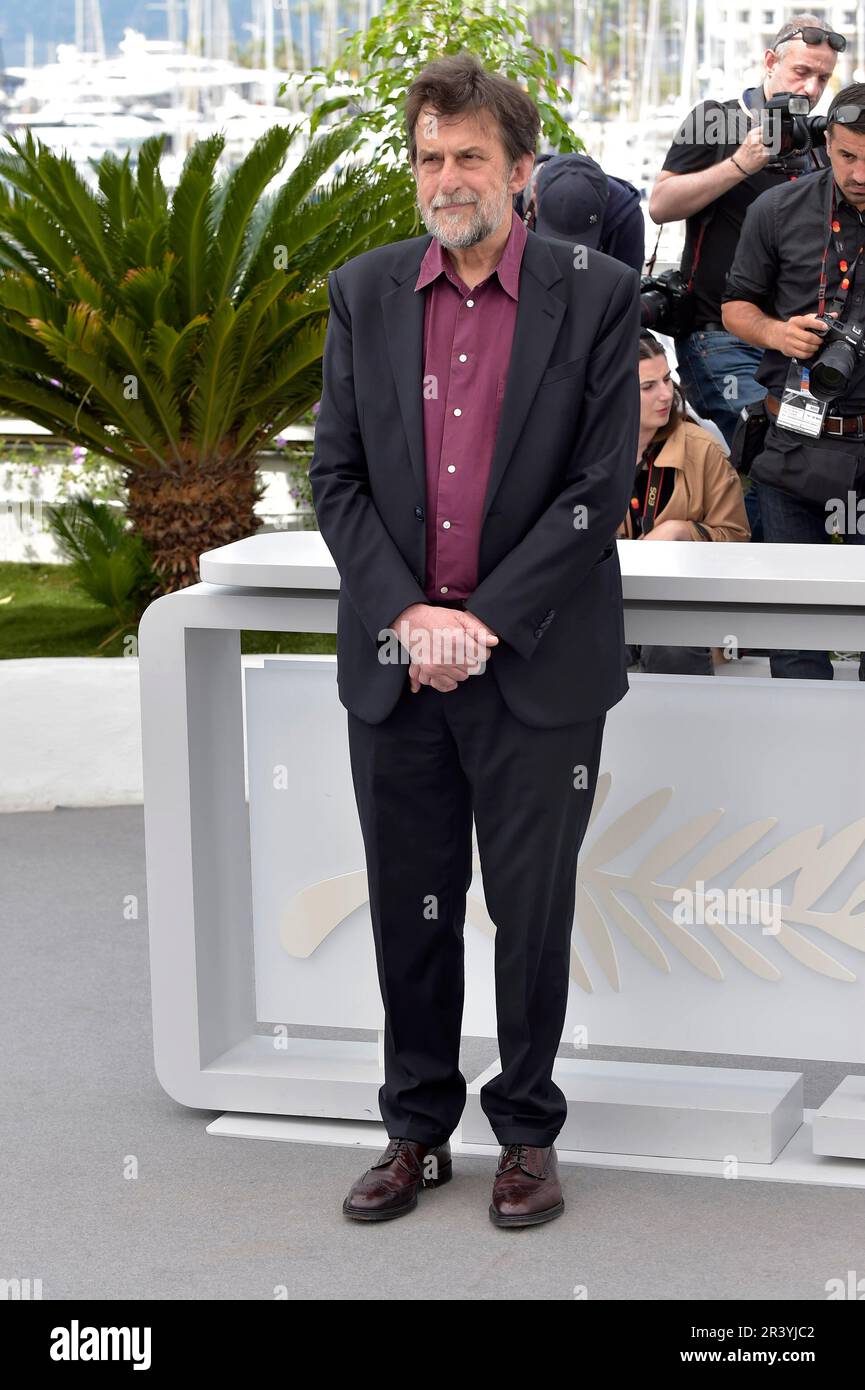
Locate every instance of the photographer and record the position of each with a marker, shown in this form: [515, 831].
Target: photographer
[797, 290]
[724, 156]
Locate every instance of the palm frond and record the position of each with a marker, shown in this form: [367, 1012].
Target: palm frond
[312, 166]
[173, 353]
[53, 184]
[64, 416]
[217, 358]
[108, 561]
[243, 189]
[131, 344]
[151, 200]
[189, 224]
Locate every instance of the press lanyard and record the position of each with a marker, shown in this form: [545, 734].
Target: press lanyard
[847, 271]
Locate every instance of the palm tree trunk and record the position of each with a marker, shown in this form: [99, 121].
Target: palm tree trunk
[179, 516]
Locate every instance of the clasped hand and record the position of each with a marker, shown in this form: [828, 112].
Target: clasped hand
[451, 644]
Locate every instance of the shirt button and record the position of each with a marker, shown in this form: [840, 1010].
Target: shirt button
[457, 411]
[452, 468]
[445, 524]
[462, 357]
[470, 303]
[444, 589]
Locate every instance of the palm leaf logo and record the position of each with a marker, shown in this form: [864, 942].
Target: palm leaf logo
[601, 911]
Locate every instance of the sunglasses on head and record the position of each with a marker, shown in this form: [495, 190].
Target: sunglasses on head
[811, 34]
[846, 115]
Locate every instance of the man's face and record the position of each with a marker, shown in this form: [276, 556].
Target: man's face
[804, 69]
[465, 184]
[846, 152]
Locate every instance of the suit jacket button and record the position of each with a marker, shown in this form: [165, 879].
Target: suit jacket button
[418, 511]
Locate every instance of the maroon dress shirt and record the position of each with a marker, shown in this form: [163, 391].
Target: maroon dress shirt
[466, 352]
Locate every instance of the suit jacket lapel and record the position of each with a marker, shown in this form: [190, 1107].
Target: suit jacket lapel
[539, 317]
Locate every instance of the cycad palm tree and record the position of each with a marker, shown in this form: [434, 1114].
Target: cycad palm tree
[178, 336]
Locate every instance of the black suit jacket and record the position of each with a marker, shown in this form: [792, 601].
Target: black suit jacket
[567, 436]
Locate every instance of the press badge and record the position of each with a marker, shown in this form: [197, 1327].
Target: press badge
[800, 411]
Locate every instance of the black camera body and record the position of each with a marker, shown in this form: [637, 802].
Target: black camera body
[666, 304]
[831, 370]
[791, 130]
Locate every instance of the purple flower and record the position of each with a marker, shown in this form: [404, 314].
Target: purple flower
[79, 451]
[315, 407]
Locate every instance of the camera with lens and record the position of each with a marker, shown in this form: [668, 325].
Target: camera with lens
[788, 127]
[830, 372]
[666, 304]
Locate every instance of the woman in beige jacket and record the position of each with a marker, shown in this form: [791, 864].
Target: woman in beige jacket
[685, 489]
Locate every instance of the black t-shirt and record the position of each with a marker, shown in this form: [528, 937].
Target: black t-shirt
[710, 133]
[777, 267]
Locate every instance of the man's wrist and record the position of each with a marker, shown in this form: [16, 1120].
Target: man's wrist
[405, 613]
[742, 170]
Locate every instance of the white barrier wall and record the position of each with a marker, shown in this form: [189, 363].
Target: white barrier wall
[702, 781]
[257, 910]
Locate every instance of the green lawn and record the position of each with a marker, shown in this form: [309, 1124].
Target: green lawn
[42, 614]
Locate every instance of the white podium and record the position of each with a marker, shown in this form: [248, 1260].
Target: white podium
[712, 791]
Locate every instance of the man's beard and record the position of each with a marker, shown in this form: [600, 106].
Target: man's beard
[482, 222]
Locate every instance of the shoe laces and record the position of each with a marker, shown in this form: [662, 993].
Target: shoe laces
[399, 1146]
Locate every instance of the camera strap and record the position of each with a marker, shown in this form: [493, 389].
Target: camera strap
[847, 271]
[698, 246]
[644, 520]
[650, 263]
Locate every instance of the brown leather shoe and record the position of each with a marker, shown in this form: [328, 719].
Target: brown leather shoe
[526, 1189]
[389, 1187]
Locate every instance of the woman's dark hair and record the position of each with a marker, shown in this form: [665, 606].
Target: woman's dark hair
[456, 85]
[650, 347]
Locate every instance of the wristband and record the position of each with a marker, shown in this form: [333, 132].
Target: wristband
[739, 167]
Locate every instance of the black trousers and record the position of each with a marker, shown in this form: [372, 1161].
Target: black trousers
[419, 776]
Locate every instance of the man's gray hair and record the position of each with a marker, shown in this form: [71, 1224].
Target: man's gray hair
[784, 36]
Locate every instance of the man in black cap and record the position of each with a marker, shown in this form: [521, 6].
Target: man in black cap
[570, 198]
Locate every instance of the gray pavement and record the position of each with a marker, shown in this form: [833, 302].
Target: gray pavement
[111, 1190]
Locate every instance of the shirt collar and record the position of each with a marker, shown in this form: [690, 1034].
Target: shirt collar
[436, 263]
[841, 201]
[754, 98]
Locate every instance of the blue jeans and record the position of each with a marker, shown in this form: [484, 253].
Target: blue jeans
[718, 372]
[792, 519]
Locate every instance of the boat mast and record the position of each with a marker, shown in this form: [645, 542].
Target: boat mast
[89, 37]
